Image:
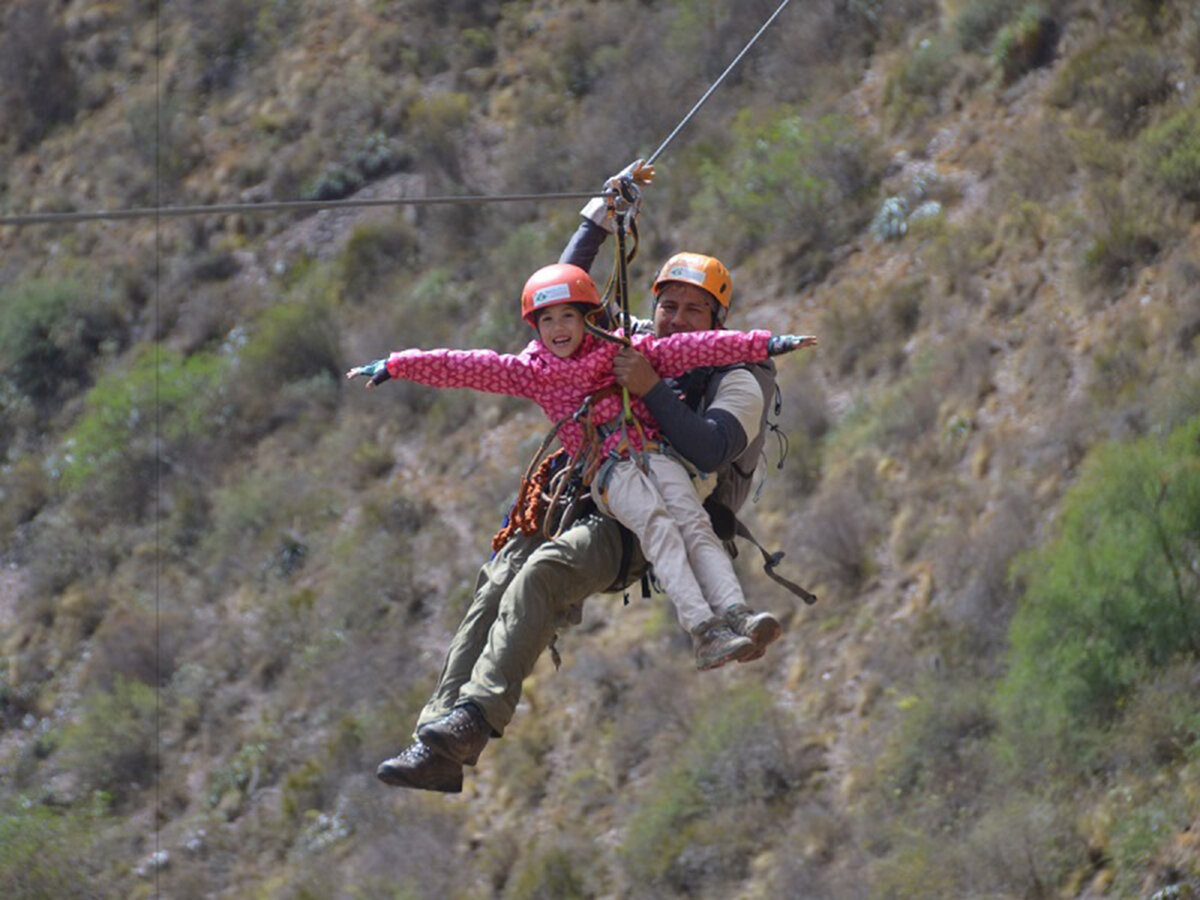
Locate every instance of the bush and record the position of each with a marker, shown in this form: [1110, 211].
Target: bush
[292, 341]
[551, 874]
[979, 20]
[164, 410]
[35, 844]
[50, 334]
[113, 747]
[438, 122]
[915, 84]
[1118, 80]
[939, 750]
[254, 523]
[705, 817]
[1026, 44]
[837, 536]
[786, 178]
[1126, 233]
[373, 253]
[375, 157]
[225, 33]
[38, 87]
[290, 361]
[1171, 152]
[1111, 599]
[869, 332]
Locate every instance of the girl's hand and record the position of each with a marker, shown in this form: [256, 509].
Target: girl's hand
[786, 343]
[376, 372]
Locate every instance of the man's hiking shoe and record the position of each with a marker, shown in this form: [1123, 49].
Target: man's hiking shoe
[419, 767]
[459, 735]
[761, 628]
[716, 644]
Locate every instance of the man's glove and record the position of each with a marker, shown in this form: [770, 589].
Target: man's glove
[623, 191]
[376, 372]
[785, 343]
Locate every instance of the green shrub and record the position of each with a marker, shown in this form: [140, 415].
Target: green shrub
[1171, 152]
[1118, 80]
[35, 844]
[290, 362]
[256, 523]
[374, 253]
[1146, 824]
[550, 874]
[940, 749]
[38, 86]
[1126, 233]
[438, 122]
[163, 410]
[1026, 44]
[707, 814]
[979, 20]
[113, 747]
[291, 342]
[788, 178]
[1111, 598]
[50, 334]
[915, 84]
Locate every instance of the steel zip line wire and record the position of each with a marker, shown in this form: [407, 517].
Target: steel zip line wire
[716, 84]
[166, 212]
[52, 218]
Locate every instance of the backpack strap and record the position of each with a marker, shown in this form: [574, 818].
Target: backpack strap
[770, 561]
[727, 525]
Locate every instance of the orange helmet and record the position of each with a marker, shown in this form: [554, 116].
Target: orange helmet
[552, 285]
[705, 272]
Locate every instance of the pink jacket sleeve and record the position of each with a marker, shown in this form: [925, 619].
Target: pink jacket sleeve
[482, 370]
[678, 353]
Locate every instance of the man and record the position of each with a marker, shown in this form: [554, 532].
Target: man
[532, 587]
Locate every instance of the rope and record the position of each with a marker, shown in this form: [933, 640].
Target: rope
[528, 507]
[715, 84]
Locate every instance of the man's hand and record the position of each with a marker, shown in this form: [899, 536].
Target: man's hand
[376, 372]
[786, 343]
[634, 372]
[637, 172]
[624, 190]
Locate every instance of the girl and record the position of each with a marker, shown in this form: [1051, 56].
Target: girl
[558, 371]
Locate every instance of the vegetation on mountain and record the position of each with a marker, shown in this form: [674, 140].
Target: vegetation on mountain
[228, 578]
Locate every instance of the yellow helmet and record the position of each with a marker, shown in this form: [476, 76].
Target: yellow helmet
[705, 272]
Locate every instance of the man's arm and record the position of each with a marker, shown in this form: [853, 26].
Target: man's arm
[585, 243]
[707, 441]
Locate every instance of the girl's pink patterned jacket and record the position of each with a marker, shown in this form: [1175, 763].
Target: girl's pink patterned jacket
[559, 386]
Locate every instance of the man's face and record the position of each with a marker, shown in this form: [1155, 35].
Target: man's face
[682, 307]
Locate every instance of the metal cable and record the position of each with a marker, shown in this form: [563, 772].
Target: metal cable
[716, 84]
[62, 218]
[51, 218]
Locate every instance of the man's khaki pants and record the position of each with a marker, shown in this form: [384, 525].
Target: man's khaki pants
[524, 594]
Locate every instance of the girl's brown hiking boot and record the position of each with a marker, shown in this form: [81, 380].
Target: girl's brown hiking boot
[761, 628]
[715, 644]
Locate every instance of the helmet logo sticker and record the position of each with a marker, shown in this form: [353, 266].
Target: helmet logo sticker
[686, 273]
[551, 293]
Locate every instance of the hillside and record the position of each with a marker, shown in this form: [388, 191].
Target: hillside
[228, 577]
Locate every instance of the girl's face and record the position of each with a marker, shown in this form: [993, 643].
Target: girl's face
[560, 328]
